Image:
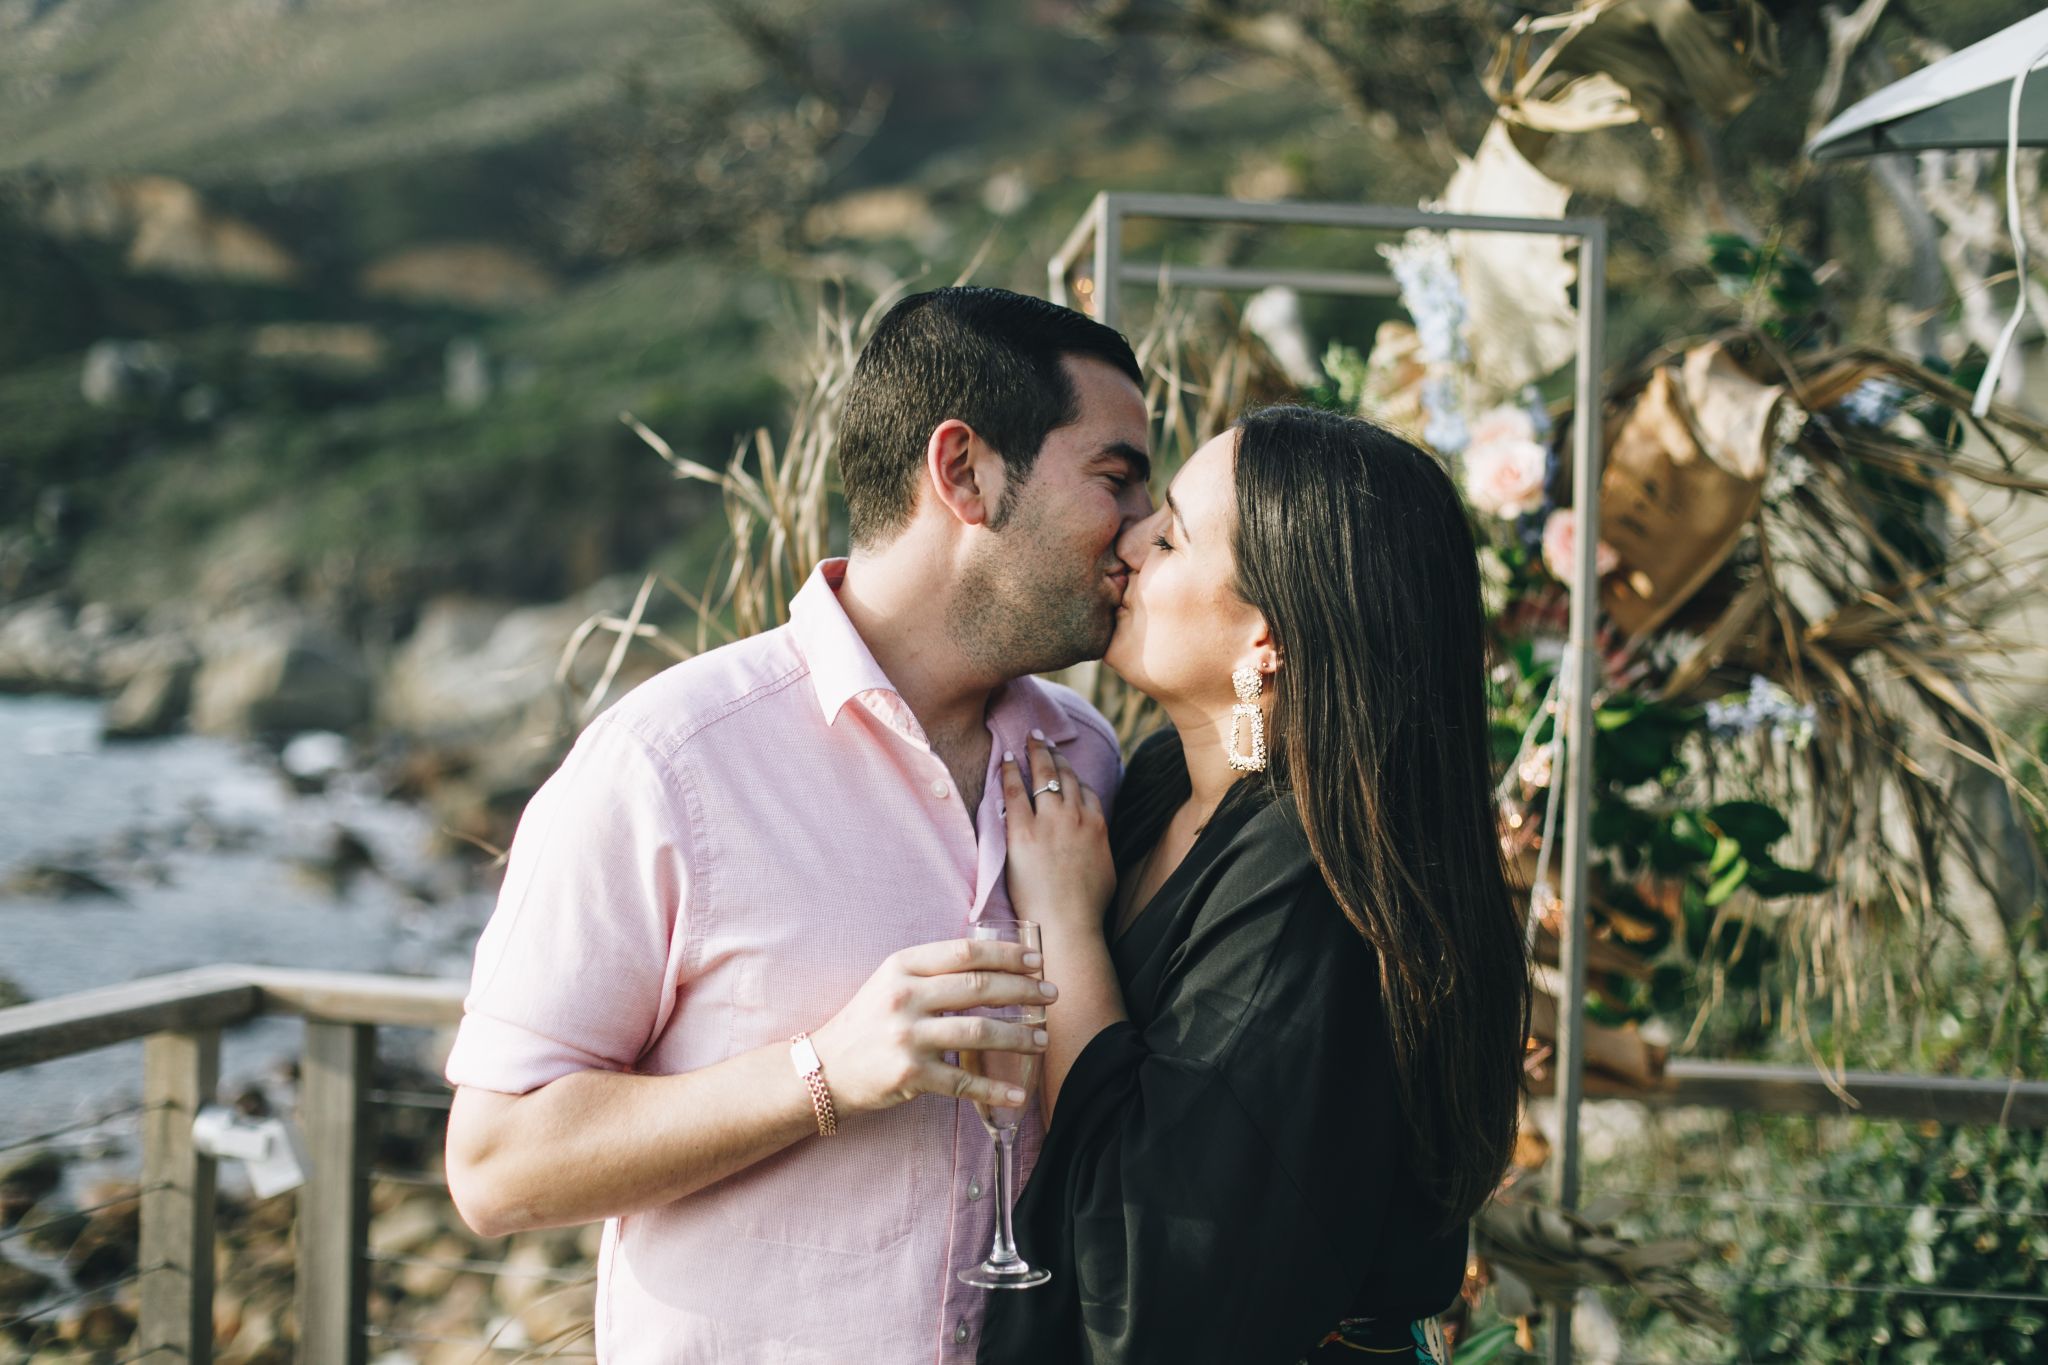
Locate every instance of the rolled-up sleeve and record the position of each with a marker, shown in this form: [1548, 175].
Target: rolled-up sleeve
[581, 963]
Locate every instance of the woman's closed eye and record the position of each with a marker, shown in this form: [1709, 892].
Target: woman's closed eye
[1161, 543]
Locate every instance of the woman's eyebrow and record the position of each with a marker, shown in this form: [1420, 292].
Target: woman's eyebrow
[1174, 508]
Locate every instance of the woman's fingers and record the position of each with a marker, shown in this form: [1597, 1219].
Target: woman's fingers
[1015, 797]
[1046, 767]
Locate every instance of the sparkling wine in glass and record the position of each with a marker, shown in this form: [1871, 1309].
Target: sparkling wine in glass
[1004, 1268]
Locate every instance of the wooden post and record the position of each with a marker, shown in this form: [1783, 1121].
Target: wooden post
[179, 1074]
[334, 1209]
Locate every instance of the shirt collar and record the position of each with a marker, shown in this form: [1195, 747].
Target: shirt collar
[842, 668]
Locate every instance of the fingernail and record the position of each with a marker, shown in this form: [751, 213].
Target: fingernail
[1014, 1096]
[1034, 959]
[1047, 989]
[1009, 757]
[1040, 1037]
[1038, 735]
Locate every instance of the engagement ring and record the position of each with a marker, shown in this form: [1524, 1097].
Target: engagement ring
[1051, 786]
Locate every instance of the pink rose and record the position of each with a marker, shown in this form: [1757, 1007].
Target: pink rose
[1504, 476]
[1561, 546]
[1504, 423]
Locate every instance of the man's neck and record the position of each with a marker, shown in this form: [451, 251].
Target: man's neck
[897, 603]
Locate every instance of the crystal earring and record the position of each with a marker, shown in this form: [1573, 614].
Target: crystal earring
[1249, 682]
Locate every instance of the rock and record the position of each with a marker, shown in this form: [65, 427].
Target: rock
[407, 1228]
[28, 1181]
[54, 882]
[430, 1282]
[476, 669]
[314, 758]
[118, 373]
[277, 677]
[106, 1248]
[525, 1274]
[54, 1228]
[154, 703]
[341, 855]
[562, 1316]
[41, 652]
[11, 993]
[21, 1286]
[466, 381]
[166, 226]
[349, 348]
[99, 1327]
[480, 275]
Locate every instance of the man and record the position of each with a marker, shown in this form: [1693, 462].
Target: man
[787, 836]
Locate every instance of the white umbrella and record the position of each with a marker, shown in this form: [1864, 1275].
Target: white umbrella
[1980, 97]
[1961, 101]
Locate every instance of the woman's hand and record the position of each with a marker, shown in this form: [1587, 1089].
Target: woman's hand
[1060, 868]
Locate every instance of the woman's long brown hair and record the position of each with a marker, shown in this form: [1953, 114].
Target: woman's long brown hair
[1354, 545]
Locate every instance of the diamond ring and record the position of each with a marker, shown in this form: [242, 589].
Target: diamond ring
[1052, 785]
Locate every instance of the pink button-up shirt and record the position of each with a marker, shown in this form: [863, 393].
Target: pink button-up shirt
[721, 861]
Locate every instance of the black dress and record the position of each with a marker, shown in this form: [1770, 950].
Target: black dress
[1225, 1177]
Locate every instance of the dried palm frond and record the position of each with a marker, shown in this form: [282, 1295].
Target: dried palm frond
[778, 498]
[1537, 1254]
[1873, 591]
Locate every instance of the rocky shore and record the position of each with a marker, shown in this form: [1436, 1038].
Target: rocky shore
[467, 713]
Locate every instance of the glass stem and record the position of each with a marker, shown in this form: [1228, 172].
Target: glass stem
[1005, 1249]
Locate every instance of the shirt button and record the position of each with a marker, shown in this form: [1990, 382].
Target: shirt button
[974, 1189]
[941, 788]
[960, 1333]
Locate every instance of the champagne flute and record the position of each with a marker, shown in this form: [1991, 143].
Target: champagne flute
[1004, 1268]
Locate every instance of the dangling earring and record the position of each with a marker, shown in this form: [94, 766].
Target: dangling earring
[1249, 682]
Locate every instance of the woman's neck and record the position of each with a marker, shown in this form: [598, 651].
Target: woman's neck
[1204, 744]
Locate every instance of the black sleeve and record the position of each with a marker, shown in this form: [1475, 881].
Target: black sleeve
[1214, 1186]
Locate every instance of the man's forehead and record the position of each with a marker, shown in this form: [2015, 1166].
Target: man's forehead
[1107, 397]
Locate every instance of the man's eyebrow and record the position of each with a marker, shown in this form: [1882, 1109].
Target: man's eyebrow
[1138, 460]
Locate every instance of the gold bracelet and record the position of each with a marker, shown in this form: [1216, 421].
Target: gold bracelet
[805, 1058]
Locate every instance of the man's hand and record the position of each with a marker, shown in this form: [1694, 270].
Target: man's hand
[886, 1046]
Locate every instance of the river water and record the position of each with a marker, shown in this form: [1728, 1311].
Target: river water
[213, 857]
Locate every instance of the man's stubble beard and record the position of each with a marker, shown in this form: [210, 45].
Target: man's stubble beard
[1017, 611]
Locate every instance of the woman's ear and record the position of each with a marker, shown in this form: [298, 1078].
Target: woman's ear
[964, 474]
[1265, 650]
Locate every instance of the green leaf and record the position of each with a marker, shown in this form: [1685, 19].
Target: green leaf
[1755, 825]
[1728, 882]
[1770, 881]
[1726, 851]
[1618, 825]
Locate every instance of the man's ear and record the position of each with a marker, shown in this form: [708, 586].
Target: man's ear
[964, 474]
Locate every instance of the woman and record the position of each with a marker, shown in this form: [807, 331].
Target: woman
[1284, 1067]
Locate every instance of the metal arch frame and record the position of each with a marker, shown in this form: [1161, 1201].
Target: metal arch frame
[1102, 228]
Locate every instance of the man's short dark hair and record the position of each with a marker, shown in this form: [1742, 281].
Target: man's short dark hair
[989, 358]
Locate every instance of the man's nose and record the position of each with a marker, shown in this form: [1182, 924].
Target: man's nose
[1130, 545]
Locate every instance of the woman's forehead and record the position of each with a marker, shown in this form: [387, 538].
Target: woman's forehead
[1204, 481]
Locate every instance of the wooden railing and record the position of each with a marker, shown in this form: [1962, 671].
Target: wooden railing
[180, 1018]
